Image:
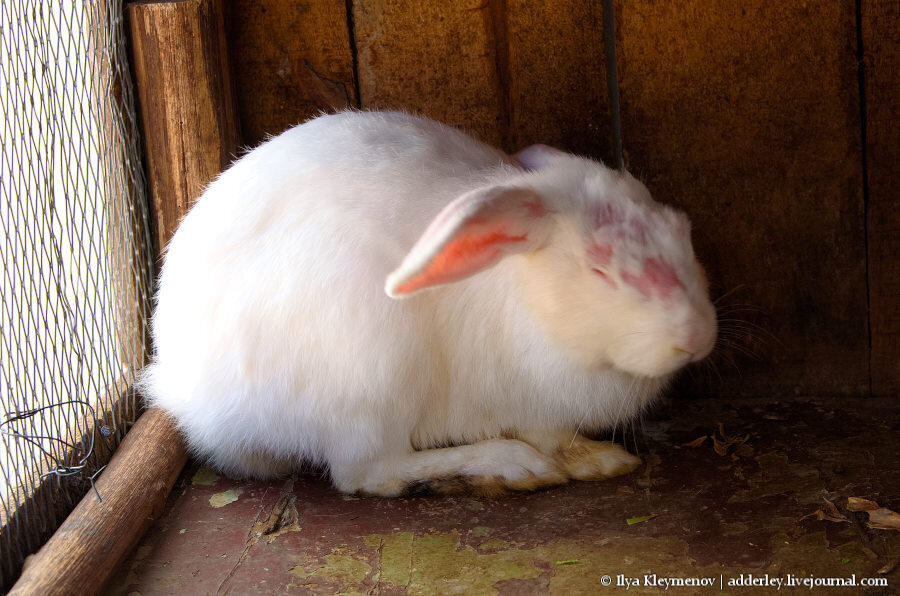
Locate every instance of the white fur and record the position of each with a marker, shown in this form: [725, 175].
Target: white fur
[276, 343]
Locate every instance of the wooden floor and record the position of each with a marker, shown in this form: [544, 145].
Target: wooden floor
[727, 512]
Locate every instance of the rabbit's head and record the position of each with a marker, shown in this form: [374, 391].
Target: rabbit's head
[609, 274]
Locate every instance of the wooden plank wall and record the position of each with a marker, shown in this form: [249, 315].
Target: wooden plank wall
[880, 32]
[745, 114]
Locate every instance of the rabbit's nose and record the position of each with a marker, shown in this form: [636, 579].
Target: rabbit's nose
[698, 341]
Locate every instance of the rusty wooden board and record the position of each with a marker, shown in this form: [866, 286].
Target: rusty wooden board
[556, 88]
[881, 44]
[514, 73]
[432, 58]
[745, 512]
[747, 115]
[291, 61]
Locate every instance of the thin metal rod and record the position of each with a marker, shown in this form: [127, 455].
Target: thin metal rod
[612, 80]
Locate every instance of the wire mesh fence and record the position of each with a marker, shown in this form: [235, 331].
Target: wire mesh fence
[76, 260]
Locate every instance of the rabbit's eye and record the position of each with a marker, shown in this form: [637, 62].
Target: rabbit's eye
[604, 276]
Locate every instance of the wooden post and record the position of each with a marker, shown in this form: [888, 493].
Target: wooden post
[187, 106]
[190, 134]
[86, 549]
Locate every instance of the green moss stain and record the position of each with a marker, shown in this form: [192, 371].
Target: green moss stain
[224, 498]
[395, 556]
[493, 544]
[204, 476]
[340, 568]
[442, 566]
[633, 557]
[481, 531]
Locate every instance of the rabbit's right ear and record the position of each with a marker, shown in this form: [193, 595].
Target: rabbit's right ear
[471, 234]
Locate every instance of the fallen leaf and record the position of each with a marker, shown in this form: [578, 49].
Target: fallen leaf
[884, 519]
[567, 562]
[858, 504]
[720, 447]
[696, 442]
[640, 519]
[831, 513]
[889, 567]
[869, 553]
[880, 518]
[724, 435]
[823, 516]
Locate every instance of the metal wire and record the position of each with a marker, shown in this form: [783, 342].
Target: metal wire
[612, 81]
[76, 260]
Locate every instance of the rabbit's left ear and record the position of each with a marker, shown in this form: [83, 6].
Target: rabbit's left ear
[537, 157]
[471, 234]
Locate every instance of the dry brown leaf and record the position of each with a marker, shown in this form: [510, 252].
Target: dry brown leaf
[818, 514]
[724, 436]
[732, 440]
[880, 518]
[720, 447]
[859, 504]
[884, 519]
[831, 512]
[825, 515]
[696, 442]
[889, 567]
[870, 553]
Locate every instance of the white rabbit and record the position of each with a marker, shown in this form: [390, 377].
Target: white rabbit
[525, 298]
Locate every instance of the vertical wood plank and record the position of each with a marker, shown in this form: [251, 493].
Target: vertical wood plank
[432, 58]
[513, 72]
[190, 129]
[746, 114]
[558, 77]
[292, 61]
[881, 43]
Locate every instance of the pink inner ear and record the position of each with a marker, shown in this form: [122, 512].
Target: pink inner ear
[466, 254]
[535, 208]
[658, 277]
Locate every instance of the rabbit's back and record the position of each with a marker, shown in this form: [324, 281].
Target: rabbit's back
[271, 312]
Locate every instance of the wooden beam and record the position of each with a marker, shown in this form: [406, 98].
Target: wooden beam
[87, 548]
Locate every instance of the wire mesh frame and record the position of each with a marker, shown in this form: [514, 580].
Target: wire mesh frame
[76, 260]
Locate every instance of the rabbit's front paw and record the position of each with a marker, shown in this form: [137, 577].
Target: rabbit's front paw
[509, 465]
[584, 459]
